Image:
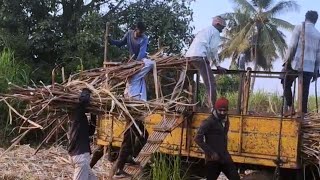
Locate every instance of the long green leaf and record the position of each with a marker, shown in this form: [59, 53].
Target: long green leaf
[283, 6]
[282, 23]
[245, 5]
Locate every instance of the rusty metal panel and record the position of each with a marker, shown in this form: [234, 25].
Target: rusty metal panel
[252, 140]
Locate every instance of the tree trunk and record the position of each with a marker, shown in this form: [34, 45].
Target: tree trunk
[234, 62]
[255, 56]
[253, 80]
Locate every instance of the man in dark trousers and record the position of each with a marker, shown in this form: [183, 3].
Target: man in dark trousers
[79, 143]
[212, 138]
[311, 60]
[131, 146]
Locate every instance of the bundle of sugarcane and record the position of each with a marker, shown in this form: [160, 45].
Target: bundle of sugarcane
[122, 71]
[311, 139]
[47, 106]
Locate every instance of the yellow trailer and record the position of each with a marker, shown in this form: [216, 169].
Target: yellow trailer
[251, 139]
[272, 142]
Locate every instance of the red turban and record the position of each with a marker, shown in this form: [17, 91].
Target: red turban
[222, 103]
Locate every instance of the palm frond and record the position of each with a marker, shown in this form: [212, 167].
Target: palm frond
[245, 5]
[264, 4]
[282, 23]
[253, 30]
[240, 37]
[283, 6]
[227, 16]
[278, 39]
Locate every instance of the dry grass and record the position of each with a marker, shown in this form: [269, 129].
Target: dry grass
[52, 163]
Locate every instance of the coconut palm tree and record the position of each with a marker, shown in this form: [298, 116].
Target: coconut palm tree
[253, 29]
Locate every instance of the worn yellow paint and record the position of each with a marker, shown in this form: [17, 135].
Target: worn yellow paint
[256, 142]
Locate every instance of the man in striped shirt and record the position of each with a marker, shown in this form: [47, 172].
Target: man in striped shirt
[310, 63]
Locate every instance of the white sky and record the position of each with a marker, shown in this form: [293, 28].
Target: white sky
[204, 10]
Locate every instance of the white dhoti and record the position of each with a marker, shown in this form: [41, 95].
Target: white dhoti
[82, 169]
[136, 85]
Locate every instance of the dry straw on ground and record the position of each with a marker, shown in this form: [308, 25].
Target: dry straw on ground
[47, 164]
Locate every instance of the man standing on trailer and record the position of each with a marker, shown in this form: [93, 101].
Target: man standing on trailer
[203, 50]
[311, 60]
[137, 43]
[212, 138]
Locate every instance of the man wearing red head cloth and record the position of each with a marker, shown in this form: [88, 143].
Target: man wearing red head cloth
[212, 138]
[203, 50]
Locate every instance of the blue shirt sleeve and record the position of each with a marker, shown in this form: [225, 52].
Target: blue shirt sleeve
[121, 42]
[143, 49]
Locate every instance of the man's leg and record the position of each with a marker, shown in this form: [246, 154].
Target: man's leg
[125, 150]
[136, 86]
[141, 140]
[213, 170]
[287, 84]
[307, 76]
[205, 71]
[179, 85]
[96, 156]
[82, 168]
[230, 170]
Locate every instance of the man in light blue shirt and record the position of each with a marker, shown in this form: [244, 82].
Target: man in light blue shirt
[133, 142]
[137, 43]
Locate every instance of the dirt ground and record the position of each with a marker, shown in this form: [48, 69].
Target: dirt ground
[53, 163]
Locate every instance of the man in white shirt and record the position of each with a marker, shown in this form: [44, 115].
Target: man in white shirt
[311, 60]
[203, 49]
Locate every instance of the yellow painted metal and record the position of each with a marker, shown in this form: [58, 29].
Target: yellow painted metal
[251, 139]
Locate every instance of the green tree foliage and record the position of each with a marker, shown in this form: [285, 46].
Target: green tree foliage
[45, 33]
[13, 72]
[227, 84]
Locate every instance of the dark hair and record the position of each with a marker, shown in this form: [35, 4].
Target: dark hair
[140, 25]
[312, 16]
[84, 97]
[86, 90]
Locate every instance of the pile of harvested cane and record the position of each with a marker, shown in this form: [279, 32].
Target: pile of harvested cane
[48, 105]
[311, 139]
[52, 163]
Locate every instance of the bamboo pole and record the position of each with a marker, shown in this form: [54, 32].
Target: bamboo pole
[300, 78]
[106, 35]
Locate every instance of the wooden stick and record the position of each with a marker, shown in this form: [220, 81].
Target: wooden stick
[106, 44]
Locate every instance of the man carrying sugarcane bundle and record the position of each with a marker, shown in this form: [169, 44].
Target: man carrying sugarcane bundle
[79, 142]
[133, 141]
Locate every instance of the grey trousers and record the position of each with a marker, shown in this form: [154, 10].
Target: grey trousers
[203, 67]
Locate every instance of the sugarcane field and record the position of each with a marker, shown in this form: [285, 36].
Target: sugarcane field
[159, 90]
